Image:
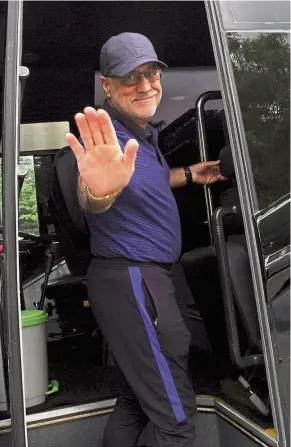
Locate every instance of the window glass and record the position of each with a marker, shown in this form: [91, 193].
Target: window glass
[261, 64]
[28, 214]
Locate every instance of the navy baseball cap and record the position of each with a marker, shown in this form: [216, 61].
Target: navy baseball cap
[123, 53]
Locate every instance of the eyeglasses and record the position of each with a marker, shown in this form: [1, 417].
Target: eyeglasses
[133, 78]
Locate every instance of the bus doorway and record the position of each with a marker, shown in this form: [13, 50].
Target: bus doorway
[238, 399]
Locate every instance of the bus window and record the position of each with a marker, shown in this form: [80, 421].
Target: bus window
[261, 64]
[28, 215]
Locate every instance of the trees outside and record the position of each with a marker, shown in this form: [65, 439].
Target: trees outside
[261, 64]
[28, 215]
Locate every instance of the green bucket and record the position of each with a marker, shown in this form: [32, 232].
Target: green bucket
[35, 363]
[33, 317]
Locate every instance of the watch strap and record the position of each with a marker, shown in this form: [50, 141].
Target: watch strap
[188, 175]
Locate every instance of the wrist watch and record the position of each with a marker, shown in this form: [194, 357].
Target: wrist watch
[188, 175]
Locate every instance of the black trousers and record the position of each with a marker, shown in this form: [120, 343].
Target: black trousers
[135, 305]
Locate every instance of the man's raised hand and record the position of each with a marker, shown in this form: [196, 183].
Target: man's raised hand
[102, 165]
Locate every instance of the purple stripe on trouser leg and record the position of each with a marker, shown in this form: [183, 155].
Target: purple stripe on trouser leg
[171, 390]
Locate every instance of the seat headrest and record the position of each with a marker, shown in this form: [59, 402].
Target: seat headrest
[226, 162]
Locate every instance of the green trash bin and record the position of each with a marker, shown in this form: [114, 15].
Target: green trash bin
[35, 363]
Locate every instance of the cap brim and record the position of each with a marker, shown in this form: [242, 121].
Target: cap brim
[124, 69]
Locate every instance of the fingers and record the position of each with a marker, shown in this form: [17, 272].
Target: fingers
[106, 127]
[100, 127]
[96, 128]
[206, 166]
[215, 178]
[130, 152]
[211, 163]
[85, 131]
[76, 147]
[217, 174]
[91, 115]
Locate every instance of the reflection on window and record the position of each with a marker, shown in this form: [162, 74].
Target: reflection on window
[28, 214]
[261, 64]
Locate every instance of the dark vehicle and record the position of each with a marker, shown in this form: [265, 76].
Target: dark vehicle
[226, 96]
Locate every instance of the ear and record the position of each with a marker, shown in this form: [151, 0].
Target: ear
[106, 86]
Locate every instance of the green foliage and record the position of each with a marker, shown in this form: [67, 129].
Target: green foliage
[262, 72]
[28, 214]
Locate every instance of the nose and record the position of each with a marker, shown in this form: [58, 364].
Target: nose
[143, 85]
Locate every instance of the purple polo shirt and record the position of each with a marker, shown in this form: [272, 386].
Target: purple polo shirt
[143, 223]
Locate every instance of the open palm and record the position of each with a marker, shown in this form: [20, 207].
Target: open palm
[102, 165]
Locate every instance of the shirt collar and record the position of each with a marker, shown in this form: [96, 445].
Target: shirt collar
[138, 131]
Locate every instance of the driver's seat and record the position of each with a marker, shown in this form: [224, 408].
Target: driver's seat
[72, 234]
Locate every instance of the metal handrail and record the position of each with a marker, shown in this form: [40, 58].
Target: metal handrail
[203, 147]
[227, 294]
[11, 276]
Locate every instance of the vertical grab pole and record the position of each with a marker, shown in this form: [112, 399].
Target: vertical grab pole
[203, 148]
[11, 277]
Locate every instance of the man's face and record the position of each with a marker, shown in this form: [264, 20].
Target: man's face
[134, 95]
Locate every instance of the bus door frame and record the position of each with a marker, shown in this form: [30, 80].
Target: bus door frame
[221, 21]
[10, 274]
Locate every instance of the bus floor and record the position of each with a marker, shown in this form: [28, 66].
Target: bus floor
[76, 363]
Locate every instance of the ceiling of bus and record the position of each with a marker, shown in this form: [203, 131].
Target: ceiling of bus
[72, 33]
